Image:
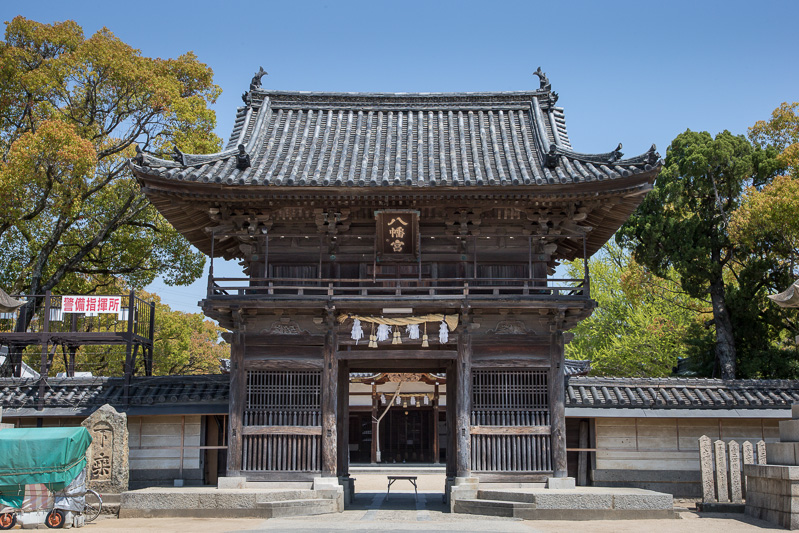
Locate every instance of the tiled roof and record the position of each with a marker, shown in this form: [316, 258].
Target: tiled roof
[680, 393]
[84, 395]
[177, 394]
[398, 139]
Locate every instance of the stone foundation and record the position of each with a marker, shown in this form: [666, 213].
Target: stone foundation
[773, 494]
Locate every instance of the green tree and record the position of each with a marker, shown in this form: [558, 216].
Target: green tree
[683, 224]
[769, 215]
[641, 322]
[186, 343]
[72, 109]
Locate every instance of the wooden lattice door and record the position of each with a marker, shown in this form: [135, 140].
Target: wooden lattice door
[282, 426]
[510, 421]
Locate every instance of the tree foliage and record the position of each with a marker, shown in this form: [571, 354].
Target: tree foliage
[72, 109]
[640, 325]
[769, 215]
[685, 223]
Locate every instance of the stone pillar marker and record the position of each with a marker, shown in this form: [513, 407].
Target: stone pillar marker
[749, 458]
[722, 491]
[706, 467]
[761, 452]
[735, 472]
[108, 453]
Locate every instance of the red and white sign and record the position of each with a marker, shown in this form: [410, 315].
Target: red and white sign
[91, 304]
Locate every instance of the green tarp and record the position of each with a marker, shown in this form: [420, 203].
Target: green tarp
[53, 456]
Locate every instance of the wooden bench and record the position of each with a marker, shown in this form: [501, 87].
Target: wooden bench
[412, 479]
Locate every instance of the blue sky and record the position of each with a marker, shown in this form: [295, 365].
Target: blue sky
[631, 72]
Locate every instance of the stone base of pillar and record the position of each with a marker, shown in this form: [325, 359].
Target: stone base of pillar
[461, 488]
[328, 487]
[561, 483]
[238, 482]
[348, 483]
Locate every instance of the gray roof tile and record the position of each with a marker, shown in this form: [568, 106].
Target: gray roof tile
[398, 140]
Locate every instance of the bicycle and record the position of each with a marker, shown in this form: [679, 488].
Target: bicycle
[93, 505]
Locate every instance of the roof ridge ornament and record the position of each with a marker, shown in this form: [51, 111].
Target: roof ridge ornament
[255, 83]
[616, 154]
[177, 155]
[552, 157]
[652, 156]
[242, 159]
[545, 85]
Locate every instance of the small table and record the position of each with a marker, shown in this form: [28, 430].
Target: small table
[412, 479]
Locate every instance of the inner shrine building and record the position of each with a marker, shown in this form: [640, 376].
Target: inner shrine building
[399, 300]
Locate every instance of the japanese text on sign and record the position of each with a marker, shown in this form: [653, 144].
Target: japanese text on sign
[397, 233]
[91, 304]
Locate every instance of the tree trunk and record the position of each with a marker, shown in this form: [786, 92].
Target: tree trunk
[725, 343]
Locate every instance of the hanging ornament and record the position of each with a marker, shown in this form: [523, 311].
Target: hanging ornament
[443, 333]
[425, 344]
[357, 331]
[413, 331]
[383, 332]
[372, 338]
[396, 339]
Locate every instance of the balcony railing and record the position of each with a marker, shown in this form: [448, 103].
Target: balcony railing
[429, 289]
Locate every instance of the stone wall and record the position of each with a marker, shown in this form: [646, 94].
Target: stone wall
[662, 454]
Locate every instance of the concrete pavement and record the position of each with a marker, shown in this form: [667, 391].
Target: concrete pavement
[401, 514]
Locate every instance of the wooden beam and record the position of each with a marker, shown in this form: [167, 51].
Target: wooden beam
[284, 364]
[282, 430]
[510, 362]
[510, 430]
[287, 352]
[396, 354]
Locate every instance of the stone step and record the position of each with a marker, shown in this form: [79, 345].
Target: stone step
[490, 507]
[306, 507]
[286, 495]
[506, 496]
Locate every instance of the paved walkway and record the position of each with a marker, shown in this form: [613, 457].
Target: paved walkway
[371, 512]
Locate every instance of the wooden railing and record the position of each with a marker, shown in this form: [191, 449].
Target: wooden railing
[399, 288]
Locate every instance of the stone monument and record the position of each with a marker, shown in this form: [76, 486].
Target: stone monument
[108, 454]
[772, 489]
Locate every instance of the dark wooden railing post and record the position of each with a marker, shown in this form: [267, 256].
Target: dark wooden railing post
[129, 344]
[330, 400]
[463, 403]
[45, 348]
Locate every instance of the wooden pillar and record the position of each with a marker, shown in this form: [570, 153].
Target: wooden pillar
[557, 401]
[463, 403]
[330, 402]
[238, 396]
[452, 389]
[375, 404]
[436, 445]
[343, 419]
